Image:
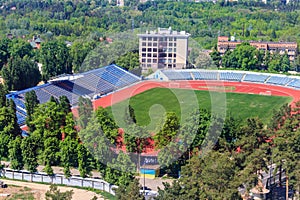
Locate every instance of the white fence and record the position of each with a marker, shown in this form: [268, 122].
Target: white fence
[58, 179]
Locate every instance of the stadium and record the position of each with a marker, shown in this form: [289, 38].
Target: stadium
[111, 84]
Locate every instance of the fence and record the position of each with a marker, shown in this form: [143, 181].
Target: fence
[58, 179]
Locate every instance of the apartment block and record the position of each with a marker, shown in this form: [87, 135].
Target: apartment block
[163, 49]
[291, 48]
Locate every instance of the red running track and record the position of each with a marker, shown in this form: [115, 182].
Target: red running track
[238, 87]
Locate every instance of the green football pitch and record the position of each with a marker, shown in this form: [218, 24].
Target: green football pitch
[151, 105]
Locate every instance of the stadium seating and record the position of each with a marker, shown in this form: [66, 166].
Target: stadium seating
[178, 75]
[205, 75]
[295, 83]
[279, 80]
[95, 82]
[258, 78]
[231, 76]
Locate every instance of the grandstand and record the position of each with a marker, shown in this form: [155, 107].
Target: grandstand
[225, 75]
[92, 84]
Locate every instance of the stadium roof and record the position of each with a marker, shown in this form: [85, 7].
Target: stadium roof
[92, 84]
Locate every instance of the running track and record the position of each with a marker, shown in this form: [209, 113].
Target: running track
[238, 87]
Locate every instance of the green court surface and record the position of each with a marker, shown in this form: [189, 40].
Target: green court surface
[151, 105]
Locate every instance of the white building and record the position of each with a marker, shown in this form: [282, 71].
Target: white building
[163, 49]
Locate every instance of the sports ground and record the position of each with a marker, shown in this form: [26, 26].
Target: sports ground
[241, 99]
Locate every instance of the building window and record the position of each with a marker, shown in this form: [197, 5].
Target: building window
[154, 49]
[170, 44]
[174, 61]
[143, 60]
[175, 39]
[174, 50]
[148, 60]
[143, 49]
[155, 60]
[170, 50]
[143, 43]
[144, 38]
[149, 54]
[169, 55]
[169, 66]
[149, 49]
[154, 55]
[149, 44]
[143, 55]
[155, 39]
[170, 39]
[174, 55]
[175, 44]
[155, 44]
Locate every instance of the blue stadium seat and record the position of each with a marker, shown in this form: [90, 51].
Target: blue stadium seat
[260, 78]
[279, 80]
[205, 75]
[231, 76]
[295, 83]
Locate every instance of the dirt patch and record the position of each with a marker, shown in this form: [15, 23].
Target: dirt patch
[38, 191]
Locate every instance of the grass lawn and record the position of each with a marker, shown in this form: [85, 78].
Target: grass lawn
[151, 105]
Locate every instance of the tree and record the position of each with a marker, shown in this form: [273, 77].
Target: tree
[29, 149]
[121, 170]
[55, 58]
[107, 124]
[167, 131]
[15, 154]
[136, 139]
[84, 163]
[128, 61]
[68, 154]
[85, 108]
[4, 51]
[196, 179]
[3, 92]
[31, 102]
[20, 48]
[55, 194]
[65, 104]
[132, 191]
[78, 52]
[20, 73]
[216, 57]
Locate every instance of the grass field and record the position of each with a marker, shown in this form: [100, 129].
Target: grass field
[151, 105]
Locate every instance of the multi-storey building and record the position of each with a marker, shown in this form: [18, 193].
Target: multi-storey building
[290, 48]
[163, 49]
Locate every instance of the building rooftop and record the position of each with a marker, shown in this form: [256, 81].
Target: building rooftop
[165, 32]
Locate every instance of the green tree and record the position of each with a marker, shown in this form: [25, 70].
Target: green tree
[55, 194]
[4, 51]
[121, 170]
[29, 149]
[107, 124]
[15, 154]
[68, 154]
[55, 58]
[128, 61]
[84, 163]
[3, 92]
[167, 131]
[31, 102]
[20, 73]
[85, 108]
[20, 48]
[132, 191]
